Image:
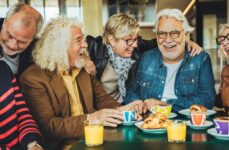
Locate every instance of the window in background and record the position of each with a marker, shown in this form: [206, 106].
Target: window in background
[3, 8]
[73, 9]
[210, 26]
[49, 9]
[11, 2]
[39, 6]
[4, 4]
[142, 10]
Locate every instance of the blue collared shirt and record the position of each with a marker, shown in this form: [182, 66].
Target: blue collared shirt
[194, 83]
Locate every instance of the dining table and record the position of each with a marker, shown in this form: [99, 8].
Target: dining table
[129, 137]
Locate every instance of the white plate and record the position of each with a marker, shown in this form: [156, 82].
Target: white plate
[207, 124]
[187, 113]
[172, 115]
[214, 133]
[129, 123]
[154, 131]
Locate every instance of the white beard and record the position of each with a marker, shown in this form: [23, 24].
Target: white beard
[79, 63]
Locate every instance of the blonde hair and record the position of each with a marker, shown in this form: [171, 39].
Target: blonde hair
[175, 13]
[222, 28]
[220, 33]
[30, 15]
[120, 25]
[51, 50]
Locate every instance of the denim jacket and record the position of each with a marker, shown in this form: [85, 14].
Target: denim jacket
[194, 83]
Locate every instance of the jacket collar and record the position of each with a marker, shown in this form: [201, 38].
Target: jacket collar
[59, 89]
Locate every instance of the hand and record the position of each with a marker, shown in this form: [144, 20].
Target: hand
[152, 102]
[223, 51]
[36, 148]
[194, 48]
[109, 117]
[89, 66]
[139, 106]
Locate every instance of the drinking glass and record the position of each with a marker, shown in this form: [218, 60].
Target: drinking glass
[176, 131]
[93, 133]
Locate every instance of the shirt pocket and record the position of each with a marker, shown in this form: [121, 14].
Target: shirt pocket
[145, 88]
[189, 84]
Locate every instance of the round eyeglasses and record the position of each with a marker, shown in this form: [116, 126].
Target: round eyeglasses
[130, 42]
[172, 34]
[221, 39]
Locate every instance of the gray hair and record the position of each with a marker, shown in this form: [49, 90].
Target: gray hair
[222, 28]
[30, 12]
[175, 13]
[51, 49]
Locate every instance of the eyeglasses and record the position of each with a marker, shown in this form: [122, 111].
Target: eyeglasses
[221, 39]
[172, 34]
[130, 42]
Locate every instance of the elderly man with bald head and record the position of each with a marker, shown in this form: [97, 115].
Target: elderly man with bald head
[17, 33]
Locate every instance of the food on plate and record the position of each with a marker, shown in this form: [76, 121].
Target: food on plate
[198, 109]
[155, 121]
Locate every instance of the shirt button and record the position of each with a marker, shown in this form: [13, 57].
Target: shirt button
[144, 83]
[193, 80]
[159, 96]
[162, 82]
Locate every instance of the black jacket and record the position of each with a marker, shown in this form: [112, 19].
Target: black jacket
[99, 54]
[25, 58]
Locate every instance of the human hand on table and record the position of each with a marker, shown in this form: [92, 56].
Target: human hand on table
[152, 102]
[109, 117]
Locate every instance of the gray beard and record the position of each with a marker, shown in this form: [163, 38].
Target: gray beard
[80, 63]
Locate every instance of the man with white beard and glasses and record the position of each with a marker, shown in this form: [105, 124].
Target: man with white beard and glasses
[170, 74]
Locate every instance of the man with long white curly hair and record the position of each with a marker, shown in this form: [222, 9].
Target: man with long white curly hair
[60, 93]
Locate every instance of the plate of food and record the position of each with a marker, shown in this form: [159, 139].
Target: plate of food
[155, 124]
[214, 133]
[197, 108]
[199, 127]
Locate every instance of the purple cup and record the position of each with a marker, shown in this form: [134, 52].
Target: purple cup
[222, 125]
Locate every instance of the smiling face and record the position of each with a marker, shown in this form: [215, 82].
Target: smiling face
[15, 37]
[172, 46]
[123, 46]
[225, 44]
[76, 46]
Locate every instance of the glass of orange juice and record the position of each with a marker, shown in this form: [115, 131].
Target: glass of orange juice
[176, 131]
[93, 133]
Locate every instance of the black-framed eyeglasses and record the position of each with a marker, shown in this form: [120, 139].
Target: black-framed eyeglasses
[130, 42]
[172, 34]
[221, 39]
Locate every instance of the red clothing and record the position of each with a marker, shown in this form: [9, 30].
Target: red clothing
[17, 127]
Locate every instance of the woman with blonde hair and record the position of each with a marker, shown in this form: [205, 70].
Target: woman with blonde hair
[117, 54]
[223, 41]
